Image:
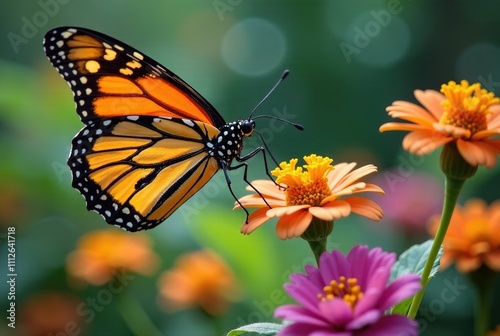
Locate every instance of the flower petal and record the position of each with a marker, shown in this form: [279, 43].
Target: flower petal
[255, 201]
[287, 210]
[431, 100]
[373, 291]
[494, 118]
[365, 207]
[336, 311]
[304, 291]
[399, 290]
[328, 214]
[396, 126]
[256, 219]
[424, 142]
[301, 329]
[267, 188]
[342, 177]
[477, 153]
[333, 265]
[409, 109]
[300, 314]
[391, 325]
[362, 320]
[294, 225]
[336, 209]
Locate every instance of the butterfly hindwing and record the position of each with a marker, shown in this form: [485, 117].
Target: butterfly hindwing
[110, 78]
[137, 170]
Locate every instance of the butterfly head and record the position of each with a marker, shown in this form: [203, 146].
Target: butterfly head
[247, 127]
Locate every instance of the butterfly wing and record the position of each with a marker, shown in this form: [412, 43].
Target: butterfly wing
[136, 171]
[143, 151]
[110, 78]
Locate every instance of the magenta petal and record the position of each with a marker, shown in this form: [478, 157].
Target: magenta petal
[297, 329]
[374, 291]
[314, 275]
[299, 315]
[367, 318]
[300, 329]
[336, 311]
[333, 265]
[399, 290]
[303, 291]
[391, 325]
[330, 333]
[358, 258]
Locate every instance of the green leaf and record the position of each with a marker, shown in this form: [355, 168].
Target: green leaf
[402, 307]
[413, 261]
[258, 328]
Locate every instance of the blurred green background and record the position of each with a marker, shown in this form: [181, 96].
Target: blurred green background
[348, 61]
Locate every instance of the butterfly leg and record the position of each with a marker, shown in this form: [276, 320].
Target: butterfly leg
[225, 169]
[264, 150]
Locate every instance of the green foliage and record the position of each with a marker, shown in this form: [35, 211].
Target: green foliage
[267, 329]
[412, 261]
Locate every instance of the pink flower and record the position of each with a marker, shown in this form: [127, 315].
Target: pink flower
[348, 296]
[409, 200]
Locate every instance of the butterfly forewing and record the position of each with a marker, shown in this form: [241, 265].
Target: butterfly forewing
[109, 78]
[135, 171]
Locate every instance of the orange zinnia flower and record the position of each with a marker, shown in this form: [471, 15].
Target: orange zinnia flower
[49, 314]
[473, 237]
[495, 332]
[101, 254]
[317, 190]
[461, 113]
[199, 279]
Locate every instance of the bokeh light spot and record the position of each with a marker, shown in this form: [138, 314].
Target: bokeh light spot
[253, 47]
[376, 40]
[481, 63]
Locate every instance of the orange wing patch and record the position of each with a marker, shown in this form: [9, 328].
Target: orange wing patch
[146, 199]
[110, 79]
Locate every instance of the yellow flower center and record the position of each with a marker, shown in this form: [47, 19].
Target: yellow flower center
[347, 289]
[466, 106]
[307, 184]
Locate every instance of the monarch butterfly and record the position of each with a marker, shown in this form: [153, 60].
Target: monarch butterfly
[150, 141]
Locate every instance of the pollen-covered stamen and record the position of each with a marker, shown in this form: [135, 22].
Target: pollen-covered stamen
[466, 106]
[345, 288]
[305, 187]
[311, 193]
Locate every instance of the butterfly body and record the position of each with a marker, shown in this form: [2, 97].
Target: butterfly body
[149, 141]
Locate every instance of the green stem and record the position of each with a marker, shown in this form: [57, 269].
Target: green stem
[135, 317]
[482, 279]
[452, 190]
[317, 247]
[482, 311]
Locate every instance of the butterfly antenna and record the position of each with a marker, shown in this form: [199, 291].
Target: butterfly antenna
[297, 126]
[283, 76]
